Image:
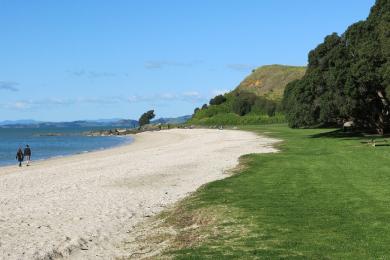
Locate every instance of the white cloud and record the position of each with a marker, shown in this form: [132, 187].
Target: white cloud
[217, 92]
[19, 105]
[191, 94]
[167, 96]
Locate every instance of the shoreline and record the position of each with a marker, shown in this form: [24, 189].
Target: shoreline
[33, 162]
[84, 206]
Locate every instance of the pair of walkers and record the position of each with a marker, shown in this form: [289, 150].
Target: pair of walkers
[24, 155]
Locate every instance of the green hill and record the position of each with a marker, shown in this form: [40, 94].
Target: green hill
[256, 100]
[269, 81]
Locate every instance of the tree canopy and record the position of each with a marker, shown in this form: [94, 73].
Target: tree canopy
[146, 117]
[217, 100]
[348, 77]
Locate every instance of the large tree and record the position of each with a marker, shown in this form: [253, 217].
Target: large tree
[348, 77]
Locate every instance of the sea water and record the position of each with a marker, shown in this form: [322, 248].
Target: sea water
[53, 142]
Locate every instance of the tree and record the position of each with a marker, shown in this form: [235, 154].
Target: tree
[196, 110]
[243, 103]
[270, 108]
[146, 117]
[264, 106]
[347, 77]
[241, 107]
[204, 106]
[217, 100]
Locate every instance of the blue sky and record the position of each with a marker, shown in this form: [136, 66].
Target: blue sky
[69, 60]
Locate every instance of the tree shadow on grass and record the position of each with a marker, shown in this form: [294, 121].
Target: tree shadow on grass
[339, 133]
[365, 137]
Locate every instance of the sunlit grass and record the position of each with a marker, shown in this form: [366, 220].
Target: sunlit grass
[324, 196]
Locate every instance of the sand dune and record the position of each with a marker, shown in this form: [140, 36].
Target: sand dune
[83, 206]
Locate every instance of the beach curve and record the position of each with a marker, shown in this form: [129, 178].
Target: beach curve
[83, 206]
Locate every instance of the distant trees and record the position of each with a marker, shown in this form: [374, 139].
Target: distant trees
[241, 107]
[348, 77]
[146, 117]
[217, 100]
[240, 103]
[196, 110]
[243, 103]
[270, 108]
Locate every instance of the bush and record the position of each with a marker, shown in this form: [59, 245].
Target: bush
[217, 100]
[252, 108]
[241, 106]
[270, 108]
[243, 103]
[196, 110]
[234, 119]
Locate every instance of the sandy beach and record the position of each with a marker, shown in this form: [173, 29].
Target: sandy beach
[84, 206]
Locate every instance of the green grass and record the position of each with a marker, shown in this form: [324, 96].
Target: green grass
[234, 119]
[321, 197]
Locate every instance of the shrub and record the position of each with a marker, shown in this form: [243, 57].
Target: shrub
[196, 110]
[241, 106]
[243, 103]
[217, 100]
[234, 119]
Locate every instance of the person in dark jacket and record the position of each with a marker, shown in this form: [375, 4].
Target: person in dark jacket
[27, 154]
[19, 156]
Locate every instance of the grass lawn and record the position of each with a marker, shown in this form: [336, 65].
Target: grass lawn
[323, 196]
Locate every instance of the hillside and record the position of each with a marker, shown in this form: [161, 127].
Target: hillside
[256, 100]
[269, 81]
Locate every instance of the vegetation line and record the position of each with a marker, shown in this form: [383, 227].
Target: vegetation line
[312, 200]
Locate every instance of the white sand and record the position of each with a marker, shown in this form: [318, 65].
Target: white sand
[83, 206]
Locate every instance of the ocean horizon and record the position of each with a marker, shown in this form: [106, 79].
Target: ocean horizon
[53, 142]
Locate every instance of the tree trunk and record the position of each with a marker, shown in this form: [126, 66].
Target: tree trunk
[382, 123]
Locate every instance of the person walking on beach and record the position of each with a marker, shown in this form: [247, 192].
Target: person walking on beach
[19, 156]
[27, 154]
